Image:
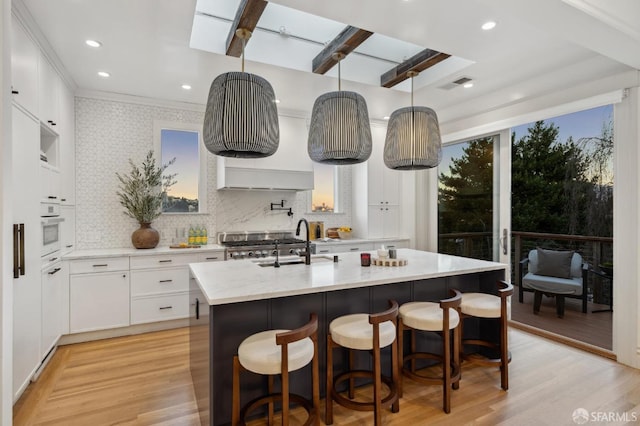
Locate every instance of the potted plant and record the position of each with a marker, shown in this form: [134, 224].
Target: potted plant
[141, 192]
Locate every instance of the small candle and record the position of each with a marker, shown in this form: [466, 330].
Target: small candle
[365, 259]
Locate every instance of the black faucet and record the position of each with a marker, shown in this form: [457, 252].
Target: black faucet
[307, 250]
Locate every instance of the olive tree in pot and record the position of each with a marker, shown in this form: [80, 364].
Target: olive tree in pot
[141, 192]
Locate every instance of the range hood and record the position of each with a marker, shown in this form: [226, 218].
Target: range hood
[234, 177]
[289, 169]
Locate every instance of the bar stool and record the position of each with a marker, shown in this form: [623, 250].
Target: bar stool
[365, 332]
[483, 305]
[276, 352]
[439, 317]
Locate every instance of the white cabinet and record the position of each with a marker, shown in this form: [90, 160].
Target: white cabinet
[67, 148]
[68, 228]
[160, 287]
[384, 221]
[24, 68]
[48, 93]
[98, 301]
[49, 182]
[52, 307]
[27, 293]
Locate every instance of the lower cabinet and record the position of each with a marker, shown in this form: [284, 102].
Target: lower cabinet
[98, 301]
[52, 307]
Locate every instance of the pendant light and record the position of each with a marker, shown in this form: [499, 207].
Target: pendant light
[413, 137]
[241, 119]
[339, 132]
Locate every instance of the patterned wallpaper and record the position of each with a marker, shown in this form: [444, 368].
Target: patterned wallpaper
[109, 133]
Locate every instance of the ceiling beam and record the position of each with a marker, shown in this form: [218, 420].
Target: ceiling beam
[247, 17]
[419, 62]
[345, 43]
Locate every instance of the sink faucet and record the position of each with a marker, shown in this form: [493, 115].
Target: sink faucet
[307, 250]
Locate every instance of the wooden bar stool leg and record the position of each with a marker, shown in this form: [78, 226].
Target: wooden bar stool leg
[235, 413]
[413, 350]
[315, 377]
[285, 398]
[395, 374]
[400, 355]
[456, 351]
[377, 374]
[352, 381]
[328, 415]
[504, 351]
[446, 368]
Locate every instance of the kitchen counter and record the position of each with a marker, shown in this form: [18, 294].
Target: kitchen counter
[131, 251]
[376, 241]
[244, 280]
[232, 300]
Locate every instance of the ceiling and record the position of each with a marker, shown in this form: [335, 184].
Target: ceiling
[537, 48]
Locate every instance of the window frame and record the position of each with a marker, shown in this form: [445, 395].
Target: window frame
[158, 126]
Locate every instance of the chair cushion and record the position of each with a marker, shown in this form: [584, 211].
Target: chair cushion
[480, 305]
[554, 263]
[552, 284]
[576, 264]
[355, 332]
[426, 316]
[260, 353]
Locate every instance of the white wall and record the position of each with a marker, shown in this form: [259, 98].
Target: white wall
[110, 131]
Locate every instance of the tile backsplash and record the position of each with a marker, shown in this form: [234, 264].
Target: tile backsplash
[109, 133]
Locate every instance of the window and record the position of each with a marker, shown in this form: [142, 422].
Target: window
[183, 142]
[323, 196]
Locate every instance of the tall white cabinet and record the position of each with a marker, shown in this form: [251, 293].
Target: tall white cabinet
[381, 196]
[43, 127]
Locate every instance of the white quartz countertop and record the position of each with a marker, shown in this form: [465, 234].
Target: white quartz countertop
[376, 241]
[244, 280]
[131, 251]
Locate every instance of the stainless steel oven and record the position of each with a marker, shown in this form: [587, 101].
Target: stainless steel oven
[51, 228]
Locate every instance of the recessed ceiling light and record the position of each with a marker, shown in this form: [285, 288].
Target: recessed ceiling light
[93, 43]
[489, 25]
[467, 85]
[186, 87]
[386, 117]
[277, 101]
[104, 74]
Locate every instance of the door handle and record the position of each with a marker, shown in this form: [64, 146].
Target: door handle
[16, 250]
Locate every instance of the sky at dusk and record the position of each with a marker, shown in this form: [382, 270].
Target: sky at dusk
[183, 145]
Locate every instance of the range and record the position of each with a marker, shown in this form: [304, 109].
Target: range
[254, 244]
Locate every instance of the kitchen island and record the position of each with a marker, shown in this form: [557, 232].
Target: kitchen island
[234, 299]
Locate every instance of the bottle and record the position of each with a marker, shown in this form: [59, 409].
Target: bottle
[192, 236]
[198, 239]
[205, 238]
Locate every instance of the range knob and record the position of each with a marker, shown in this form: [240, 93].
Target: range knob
[274, 252]
[250, 254]
[264, 253]
[243, 254]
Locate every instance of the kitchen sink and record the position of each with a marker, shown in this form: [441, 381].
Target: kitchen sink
[294, 261]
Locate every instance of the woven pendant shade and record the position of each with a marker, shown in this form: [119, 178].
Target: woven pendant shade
[413, 139]
[241, 119]
[340, 132]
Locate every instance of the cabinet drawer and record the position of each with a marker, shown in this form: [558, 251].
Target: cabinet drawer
[159, 308]
[214, 256]
[353, 247]
[165, 280]
[161, 260]
[104, 264]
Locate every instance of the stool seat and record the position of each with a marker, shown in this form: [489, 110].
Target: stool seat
[426, 316]
[260, 354]
[481, 305]
[355, 332]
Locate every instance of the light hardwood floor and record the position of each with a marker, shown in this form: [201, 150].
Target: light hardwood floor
[145, 380]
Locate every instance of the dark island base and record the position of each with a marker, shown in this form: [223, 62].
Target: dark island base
[217, 331]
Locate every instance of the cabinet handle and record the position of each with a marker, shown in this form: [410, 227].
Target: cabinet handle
[18, 250]
[212, 258]
[63, 199]
[354, 248]
[69, 245]
[324, 251]
[54, 271]
[15, 92]
[166, 281]
[197, 308]
[52, 197]
[51, 259]
[164, 261]
[101, 265]
[165, 307]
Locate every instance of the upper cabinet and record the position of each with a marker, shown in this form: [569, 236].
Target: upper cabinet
[24, 68]
[66, 130]
[383, 183]
[49, 94]
[290, 168]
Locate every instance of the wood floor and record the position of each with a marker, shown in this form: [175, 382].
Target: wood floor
[145, 380]
[592, 328]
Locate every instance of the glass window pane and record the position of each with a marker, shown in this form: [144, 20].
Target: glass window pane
[182, 197]
[465, 199]
[323, 194]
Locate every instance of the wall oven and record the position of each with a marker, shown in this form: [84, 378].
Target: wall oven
[51, 228]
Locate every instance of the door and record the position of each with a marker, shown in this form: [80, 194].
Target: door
[473, 198]
[26, 287]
